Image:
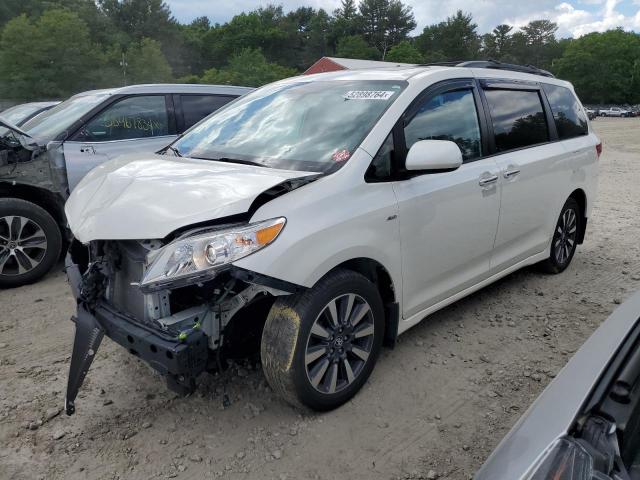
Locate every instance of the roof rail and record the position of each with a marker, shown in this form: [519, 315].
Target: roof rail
[495, 65]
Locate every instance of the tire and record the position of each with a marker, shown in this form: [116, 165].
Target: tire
[36, 240]
[565, 235]
[299, 327]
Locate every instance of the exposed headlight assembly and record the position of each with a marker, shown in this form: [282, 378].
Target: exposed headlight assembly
[565, 460]
[201, 256]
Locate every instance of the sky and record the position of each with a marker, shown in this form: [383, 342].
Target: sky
[574, 17]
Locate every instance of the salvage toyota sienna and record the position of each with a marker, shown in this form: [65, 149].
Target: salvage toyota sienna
[321, 216]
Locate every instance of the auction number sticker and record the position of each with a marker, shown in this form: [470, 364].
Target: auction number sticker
[368, 95]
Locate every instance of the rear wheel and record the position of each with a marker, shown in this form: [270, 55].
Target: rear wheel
[320, 346]
[565, 238]
[30, 242]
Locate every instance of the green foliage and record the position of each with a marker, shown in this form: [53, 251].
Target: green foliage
[385, 23]
[51, 57]
[53, 48]
[248, 68]
[147, 64]
[603, 67]
[454, 39]
[356, 47]
[404, 52]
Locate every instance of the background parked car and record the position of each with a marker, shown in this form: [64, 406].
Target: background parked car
[586, 423]
[38, 170]
[615, 112]
[592, 113]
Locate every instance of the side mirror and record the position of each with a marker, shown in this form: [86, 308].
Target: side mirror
[434, 155]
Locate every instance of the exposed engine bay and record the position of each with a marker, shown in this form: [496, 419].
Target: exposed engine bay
[181, 332]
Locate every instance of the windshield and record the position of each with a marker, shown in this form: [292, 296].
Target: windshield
[309, 126]
[17, 114]
[53, 122]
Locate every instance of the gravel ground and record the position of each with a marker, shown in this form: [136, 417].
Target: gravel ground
[434, 407]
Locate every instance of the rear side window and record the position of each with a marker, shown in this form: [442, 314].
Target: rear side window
[196, 107]
[447, 116]
[570, 119]
[518, 118]
[128, 119]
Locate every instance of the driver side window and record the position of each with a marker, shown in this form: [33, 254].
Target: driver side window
[448, 116]
[127, 119]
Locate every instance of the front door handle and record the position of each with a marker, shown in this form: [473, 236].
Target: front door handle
[511, 173]
[87, 149]
[483, 182]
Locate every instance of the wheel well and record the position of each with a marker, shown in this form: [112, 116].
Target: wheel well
[379, 275]
[579, 196]
[45, 199]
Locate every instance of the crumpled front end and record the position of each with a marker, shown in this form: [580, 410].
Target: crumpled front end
[178, 331]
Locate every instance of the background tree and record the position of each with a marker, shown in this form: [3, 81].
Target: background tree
[541, 41]
[454, 39]
[249, 68]
[404, 52]
[147, 64]
[356, 47]
[585, 60]
[497, 45]
[52, 57]
[346, 22]
[385, 23]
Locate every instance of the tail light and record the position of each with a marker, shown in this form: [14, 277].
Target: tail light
[599, 149]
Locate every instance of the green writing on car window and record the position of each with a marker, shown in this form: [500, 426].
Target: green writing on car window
[134, 123]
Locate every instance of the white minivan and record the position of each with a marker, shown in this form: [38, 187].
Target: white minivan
[319, 217]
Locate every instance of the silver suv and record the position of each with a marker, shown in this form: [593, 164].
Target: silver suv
[41, 162]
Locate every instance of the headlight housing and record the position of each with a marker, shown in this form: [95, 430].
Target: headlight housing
[201, 256]
[566, 459]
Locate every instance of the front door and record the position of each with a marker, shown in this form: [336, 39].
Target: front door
[130, 125]
[448, 220]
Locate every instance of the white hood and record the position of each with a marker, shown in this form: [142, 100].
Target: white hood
[130, 198]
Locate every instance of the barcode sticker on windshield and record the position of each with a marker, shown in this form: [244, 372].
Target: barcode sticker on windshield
[368, 95]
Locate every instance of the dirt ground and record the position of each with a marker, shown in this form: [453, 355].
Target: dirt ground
[434, 407]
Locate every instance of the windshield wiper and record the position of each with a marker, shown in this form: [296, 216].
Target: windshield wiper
[175, 151]
[237, 160]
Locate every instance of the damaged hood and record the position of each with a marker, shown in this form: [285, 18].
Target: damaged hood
[134, 198]
[10, 126]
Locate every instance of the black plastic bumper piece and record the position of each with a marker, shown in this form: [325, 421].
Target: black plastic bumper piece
[87, 339]
[180, 360]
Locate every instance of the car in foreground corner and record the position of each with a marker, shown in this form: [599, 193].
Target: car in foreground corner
[586, 424]
[324, 215]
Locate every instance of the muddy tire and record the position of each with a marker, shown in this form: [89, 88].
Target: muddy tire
[30, 242]
[565, 238]
[319, 347]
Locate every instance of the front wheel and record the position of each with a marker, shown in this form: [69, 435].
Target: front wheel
[30, 242]
[565, 238]
[320, 346]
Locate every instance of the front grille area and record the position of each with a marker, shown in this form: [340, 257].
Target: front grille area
[126, 297]
[126, 260]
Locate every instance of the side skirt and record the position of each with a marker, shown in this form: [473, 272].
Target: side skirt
[418, 317]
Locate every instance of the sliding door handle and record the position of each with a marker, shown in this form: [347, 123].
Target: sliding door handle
[483, 182]
[511, 173]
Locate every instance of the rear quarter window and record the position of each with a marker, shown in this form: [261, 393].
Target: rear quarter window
[518, 118]
[569, 117]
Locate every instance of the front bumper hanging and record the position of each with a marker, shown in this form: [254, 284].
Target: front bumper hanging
[180, 360]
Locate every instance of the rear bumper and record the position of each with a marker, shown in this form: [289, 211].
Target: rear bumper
[180, 360]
